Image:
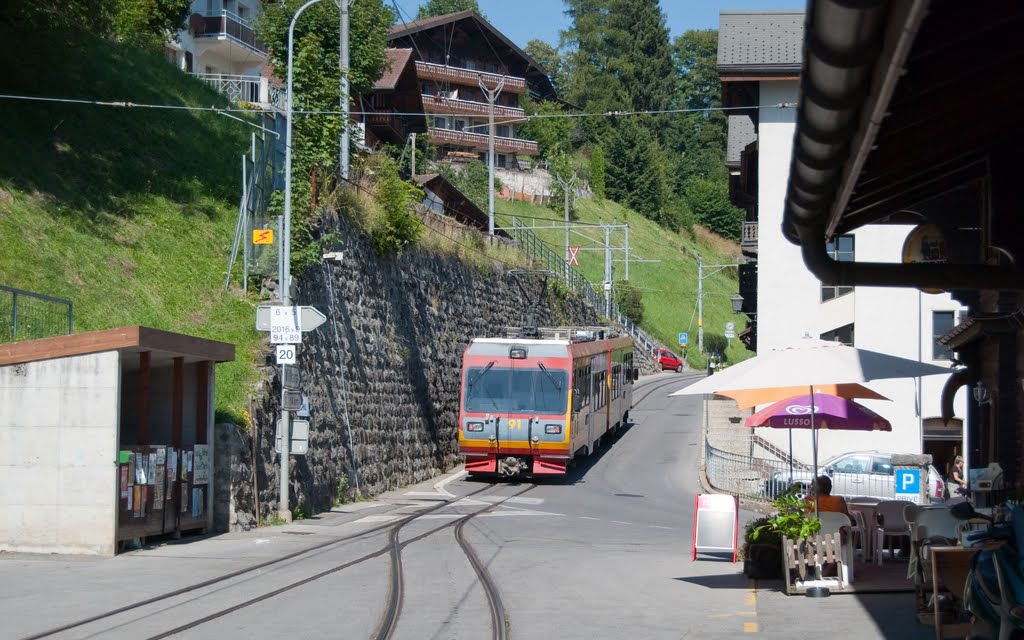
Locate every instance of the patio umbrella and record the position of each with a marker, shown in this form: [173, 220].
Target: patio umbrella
[823, 411]
[807, 363]
[747, 398]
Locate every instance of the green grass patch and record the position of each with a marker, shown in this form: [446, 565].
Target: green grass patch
[128, 212]
[669, 287]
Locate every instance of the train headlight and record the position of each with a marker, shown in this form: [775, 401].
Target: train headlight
[552, 428]
[474, 426]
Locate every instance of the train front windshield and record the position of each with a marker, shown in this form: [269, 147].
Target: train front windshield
[519, 390]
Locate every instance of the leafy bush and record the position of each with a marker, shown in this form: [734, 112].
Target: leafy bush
[398, 226]
[630, 301]
[790, 520]
[709, 201]
[715, 345]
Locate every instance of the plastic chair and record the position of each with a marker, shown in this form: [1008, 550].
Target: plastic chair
[863, 533]
[894, 525]
[833, 522]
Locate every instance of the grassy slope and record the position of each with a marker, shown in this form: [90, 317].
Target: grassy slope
[669, 287]
[127, 212]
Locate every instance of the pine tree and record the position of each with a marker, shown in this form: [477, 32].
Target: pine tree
[640, 53]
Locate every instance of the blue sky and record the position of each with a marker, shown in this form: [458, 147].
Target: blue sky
[524, 20]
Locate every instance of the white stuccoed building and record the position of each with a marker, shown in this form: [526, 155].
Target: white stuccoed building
[759, 59]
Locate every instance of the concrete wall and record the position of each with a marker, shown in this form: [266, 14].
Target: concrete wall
[893, 321]
[58, 455]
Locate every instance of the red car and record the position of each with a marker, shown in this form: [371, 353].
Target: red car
[668, 360]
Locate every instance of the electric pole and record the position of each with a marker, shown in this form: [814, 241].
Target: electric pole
[700, 304]
[491, 97]
[343, 6]
[627, 252]
[566, 188]
[607, 271]
[413, 156]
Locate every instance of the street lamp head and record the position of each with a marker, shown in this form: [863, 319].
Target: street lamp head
[737, 303]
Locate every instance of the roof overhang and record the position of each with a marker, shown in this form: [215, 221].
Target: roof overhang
[901, 102]
[130, 339]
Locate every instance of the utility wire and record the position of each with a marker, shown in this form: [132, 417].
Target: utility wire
[331, 112]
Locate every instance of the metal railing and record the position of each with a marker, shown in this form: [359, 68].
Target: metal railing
[253, 89]
[236, 88]
[33, 315]
[758, 470]
[554, 264]
[230, 25]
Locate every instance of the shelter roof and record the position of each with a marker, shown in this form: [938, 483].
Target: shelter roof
[122, 339]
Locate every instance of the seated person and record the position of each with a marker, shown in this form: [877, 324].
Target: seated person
[827, 501]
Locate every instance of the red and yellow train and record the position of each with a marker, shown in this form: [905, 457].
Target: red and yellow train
[528, 406]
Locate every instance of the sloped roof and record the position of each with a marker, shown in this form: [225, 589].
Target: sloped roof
[405, 29]
[397, 60]
[760, 41]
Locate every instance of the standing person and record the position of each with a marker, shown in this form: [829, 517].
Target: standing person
[957, 481]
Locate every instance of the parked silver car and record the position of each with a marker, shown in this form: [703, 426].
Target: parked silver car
[861, 473]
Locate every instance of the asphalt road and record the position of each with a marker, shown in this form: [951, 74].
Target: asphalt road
[602, 555]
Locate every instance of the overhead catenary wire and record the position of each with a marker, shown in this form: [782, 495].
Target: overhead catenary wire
[128, 104]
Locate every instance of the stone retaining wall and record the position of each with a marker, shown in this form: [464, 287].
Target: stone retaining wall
[382, 375]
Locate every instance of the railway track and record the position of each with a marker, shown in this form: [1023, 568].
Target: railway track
[395, 593]
[661, 384]
[185, 594]
[253, 569]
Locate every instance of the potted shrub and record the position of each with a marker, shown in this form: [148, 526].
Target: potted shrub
[762, 541]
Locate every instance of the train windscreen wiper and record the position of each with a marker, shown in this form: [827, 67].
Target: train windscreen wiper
[550, 377]
[480, 373]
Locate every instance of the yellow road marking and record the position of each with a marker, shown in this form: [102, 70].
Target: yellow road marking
[751, 601]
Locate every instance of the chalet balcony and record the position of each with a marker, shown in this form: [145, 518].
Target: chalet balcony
[468, 77]
[246, 89]
[226, 26]
[440, 104]
[478, 142]
[748, 241]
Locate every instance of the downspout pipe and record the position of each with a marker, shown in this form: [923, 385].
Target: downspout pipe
[953, 384]
[946, 277]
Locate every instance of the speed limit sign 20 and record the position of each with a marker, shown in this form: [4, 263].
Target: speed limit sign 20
[286, 354]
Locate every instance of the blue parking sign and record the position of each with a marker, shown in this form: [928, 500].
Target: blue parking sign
[908, 481]
[683, 339]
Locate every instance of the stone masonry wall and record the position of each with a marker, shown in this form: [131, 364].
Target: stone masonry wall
[382, 375]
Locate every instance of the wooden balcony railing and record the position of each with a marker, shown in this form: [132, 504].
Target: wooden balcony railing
[749, 237]
[440, 104]
[468, 77]
[228, 25]
[479, 142]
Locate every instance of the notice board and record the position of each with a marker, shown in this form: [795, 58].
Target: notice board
[716, 522]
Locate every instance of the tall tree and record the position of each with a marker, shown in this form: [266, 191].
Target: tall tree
[548, 57]
[441, 7]
[316, 77]
[640, 53]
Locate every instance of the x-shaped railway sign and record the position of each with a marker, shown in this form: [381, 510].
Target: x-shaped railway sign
[572, 256]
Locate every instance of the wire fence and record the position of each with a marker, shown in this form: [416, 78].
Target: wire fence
[29, 315]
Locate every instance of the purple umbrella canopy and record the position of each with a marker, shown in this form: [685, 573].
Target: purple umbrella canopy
[829, 412]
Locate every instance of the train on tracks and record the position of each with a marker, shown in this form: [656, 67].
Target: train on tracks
[531, 405]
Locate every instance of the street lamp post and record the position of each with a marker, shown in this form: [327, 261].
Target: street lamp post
[285, 256]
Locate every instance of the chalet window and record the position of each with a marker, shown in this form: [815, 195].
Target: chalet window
[428, 89]
[842, 334]
[942, 323]
[840, 249]
[502, 131]
[460, 125]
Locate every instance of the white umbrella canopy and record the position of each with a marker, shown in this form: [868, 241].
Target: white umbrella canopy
[808, 362]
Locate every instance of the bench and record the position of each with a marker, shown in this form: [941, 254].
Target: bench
[802, 560]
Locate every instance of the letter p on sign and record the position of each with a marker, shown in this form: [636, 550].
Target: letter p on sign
[908, 481]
